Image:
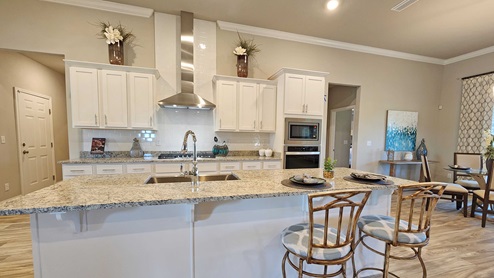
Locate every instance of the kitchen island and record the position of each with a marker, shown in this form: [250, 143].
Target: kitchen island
[117, 226]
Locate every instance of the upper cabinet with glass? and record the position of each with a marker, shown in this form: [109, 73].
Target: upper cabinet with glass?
[111, 97]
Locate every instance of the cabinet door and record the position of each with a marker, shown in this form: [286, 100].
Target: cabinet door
[84, 97]
[294, 94]
[141, 100]
[247, 108]
[267, 108]
[114, 98]
[314, 95]
[226, 105]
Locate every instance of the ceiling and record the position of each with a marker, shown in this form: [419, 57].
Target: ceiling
[441, 29]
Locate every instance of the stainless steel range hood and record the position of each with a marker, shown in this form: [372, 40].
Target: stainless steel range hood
[186, 98]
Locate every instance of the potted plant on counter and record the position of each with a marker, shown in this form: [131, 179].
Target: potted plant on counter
[329, 165]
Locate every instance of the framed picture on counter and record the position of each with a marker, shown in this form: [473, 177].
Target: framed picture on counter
[98, 145]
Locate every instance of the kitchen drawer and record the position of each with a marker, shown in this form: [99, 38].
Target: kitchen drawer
[229, 166]
[139, 168]
[169, 168]
[251, 165]
[271, 165]
[109, 169]
[206, 167]
[70, 171]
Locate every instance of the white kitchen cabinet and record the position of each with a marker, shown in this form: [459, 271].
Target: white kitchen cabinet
[84, 95]
[244, 104]
[141, 100]
[266, 108]
[113, 97]
[226, 103]
[271, 165]
[303, 91]
[251, 165]
[228, 167]
[109, 169]
[139, 168]
[247, 106]
[74, 170]
[169, 169]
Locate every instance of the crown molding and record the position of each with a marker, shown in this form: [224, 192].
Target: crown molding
[107, 6]
[469, 55]
[325, 42]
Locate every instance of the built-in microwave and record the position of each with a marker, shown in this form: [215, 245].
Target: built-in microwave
[302, 131]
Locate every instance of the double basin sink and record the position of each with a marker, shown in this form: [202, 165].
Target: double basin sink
[226, 177]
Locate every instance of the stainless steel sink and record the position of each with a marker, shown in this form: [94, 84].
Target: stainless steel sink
[227, 177]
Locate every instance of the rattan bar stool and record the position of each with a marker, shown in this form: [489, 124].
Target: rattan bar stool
[409, 228]
[328, 239]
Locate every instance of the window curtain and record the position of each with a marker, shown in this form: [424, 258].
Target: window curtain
[477, 102]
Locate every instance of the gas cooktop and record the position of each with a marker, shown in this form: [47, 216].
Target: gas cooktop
[186, 155]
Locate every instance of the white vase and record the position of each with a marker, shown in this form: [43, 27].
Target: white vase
[408, 156]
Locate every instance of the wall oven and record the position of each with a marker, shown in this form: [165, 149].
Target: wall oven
[297, 157]
[302, 132]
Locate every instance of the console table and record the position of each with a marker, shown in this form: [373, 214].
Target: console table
[393, 163]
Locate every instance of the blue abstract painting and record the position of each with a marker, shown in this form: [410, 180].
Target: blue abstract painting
[401, 130]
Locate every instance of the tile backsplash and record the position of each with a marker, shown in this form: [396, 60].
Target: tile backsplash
[171, 127]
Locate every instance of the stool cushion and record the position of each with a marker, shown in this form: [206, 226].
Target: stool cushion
[296, 239]
[382, 227]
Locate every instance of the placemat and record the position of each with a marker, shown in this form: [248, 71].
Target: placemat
[381, 182]
[289, 183]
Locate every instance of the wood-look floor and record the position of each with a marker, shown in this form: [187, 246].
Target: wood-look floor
[459, 247]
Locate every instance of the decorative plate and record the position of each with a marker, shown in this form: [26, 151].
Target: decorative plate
[367, 177]
[458, 167]
[311, 181]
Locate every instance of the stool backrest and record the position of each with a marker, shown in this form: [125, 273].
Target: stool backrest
[343, 206]
[415, 204]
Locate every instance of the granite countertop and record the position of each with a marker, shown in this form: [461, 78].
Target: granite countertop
[128, 190]
[173, 160]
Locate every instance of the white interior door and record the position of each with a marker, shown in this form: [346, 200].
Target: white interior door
[35, 133]
[340, 136]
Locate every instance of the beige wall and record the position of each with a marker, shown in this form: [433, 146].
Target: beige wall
[386, 83]
[40, 26]
[17, 70]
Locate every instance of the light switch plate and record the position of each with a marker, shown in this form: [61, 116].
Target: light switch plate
[369, 143]
[2, 139]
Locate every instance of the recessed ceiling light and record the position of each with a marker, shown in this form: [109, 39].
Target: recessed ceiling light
[332, 4]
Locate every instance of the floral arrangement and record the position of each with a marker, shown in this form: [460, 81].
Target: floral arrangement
[329, 164]
[489, 144]
[114, 34]
[245, 47]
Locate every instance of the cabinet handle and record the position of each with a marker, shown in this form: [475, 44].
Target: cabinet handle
[106, 120]
[306, 108]
[260, 125]
[254, 124]
[108, 170]
[95, 119]
[303, 108]
[229, 167]
[220, 123]
[151, 121]
[138, 169]
[76, 171]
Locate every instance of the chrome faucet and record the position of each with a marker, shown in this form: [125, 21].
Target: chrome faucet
[194, 172]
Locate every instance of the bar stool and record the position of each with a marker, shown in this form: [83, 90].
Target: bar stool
[322, 244]
[409, 228]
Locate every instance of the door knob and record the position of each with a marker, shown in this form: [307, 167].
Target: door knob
[25, 152]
